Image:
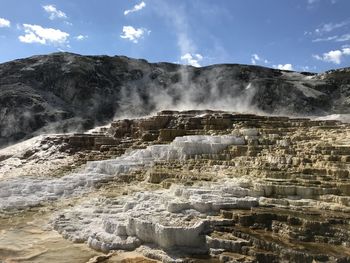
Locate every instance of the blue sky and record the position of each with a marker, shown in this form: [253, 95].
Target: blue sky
[303, 35]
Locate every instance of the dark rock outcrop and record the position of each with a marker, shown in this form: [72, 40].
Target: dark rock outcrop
[64, 91]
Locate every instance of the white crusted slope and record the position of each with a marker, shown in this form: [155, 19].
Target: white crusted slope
[19, 193]
[179, 217]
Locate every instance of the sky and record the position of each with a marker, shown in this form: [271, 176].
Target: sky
[300, 35]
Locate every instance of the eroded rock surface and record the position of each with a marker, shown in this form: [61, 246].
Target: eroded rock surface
[23, 192]
[205, 185]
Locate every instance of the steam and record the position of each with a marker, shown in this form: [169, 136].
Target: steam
[214, 89]
[176, 16]
[210, 90]
[140, 89]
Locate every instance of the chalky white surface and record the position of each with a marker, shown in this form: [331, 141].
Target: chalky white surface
[19, 193]
[178, 217]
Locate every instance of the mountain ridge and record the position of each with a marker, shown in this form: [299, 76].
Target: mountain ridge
[63, 91]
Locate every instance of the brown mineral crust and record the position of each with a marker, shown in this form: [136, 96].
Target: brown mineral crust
[298, 167]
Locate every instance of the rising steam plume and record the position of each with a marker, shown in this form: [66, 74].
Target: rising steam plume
[185, 94]
[65, 92]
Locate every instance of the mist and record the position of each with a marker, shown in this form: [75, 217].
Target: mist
[185, 89]
[65, 92]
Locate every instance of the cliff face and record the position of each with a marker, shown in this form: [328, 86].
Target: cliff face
[63, 91]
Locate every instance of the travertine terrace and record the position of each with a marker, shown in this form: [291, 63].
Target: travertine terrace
[192, 186]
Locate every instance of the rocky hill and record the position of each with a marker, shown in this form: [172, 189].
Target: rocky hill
[64, 91]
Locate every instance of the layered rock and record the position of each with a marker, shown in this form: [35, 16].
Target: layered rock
[232, 188]
[26, 192]
[291, 171]
[173, 218]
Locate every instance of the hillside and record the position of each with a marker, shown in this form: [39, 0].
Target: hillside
[62, 91]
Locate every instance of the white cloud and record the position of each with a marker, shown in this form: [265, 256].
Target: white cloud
[255, 58]
[346, 51]
[136, 8]
[284, 67]
[133, 34]
[334, 56]
[345, 37]
[318, 57]
[325, 39]
[81, 37]
[342, 38]
[192, 60]
[41, 35]
[4, 22]
[54, 12]
[326, 28]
